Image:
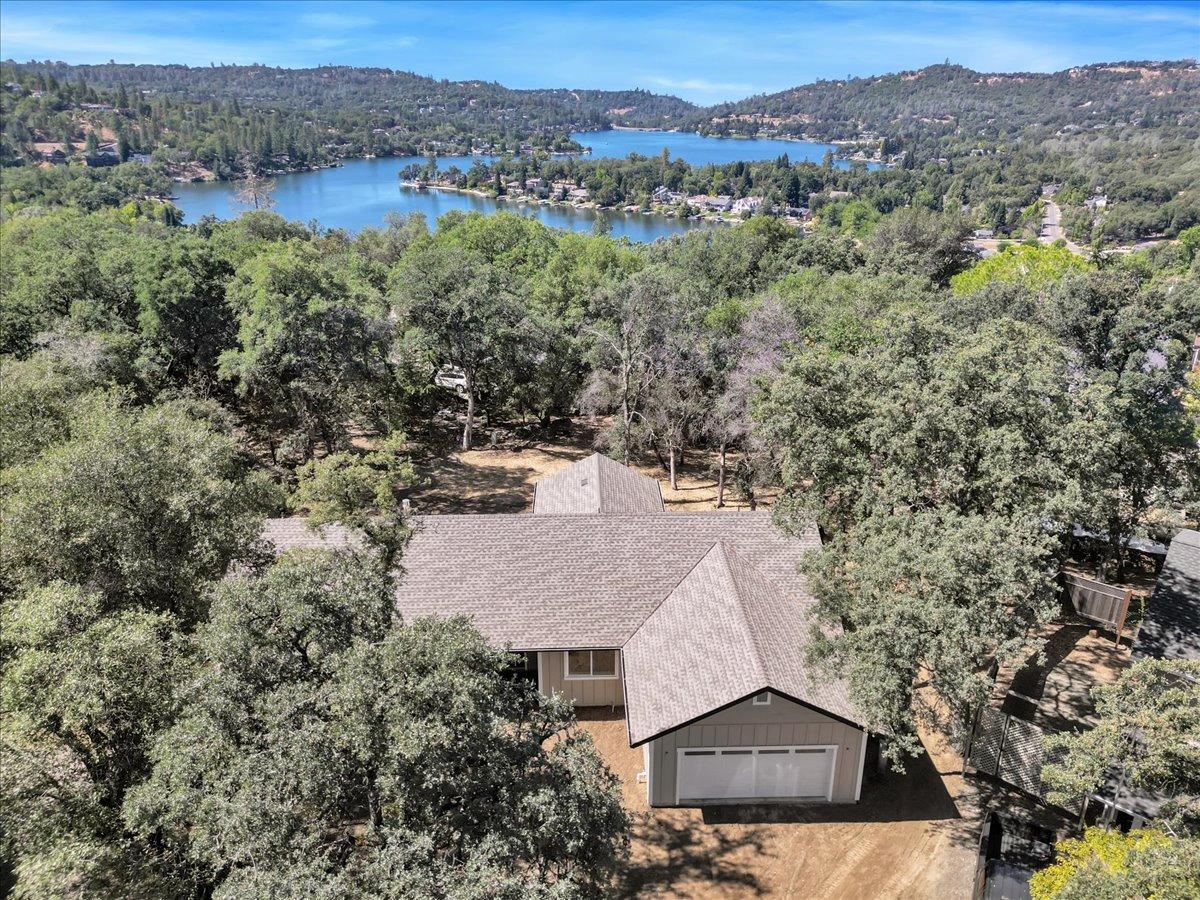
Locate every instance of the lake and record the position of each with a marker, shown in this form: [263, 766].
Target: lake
[361, 192]
[697, 149]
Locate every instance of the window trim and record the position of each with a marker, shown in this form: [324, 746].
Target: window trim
[591, 676]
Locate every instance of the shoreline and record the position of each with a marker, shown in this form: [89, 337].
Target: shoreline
[590, 206]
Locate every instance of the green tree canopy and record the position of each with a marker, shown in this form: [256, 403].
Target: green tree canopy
[941, 467]
[142, 507]
[327, 747]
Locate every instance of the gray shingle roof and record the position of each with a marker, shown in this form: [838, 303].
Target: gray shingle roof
[707, 607]
[597, 485]
[556, 582]
[725, 632]
[1171, 629]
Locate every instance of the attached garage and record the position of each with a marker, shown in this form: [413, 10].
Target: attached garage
[754, 773]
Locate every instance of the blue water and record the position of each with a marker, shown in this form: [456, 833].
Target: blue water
[361, 192]
[697, 149]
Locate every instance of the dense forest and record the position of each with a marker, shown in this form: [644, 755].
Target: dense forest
[186, 716]
[167, 387]
[226, 116]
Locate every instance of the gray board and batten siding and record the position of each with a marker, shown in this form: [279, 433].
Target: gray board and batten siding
[593, 691]
[782, 723]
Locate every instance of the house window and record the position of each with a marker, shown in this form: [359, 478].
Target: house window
[591, 664]
[763, 699]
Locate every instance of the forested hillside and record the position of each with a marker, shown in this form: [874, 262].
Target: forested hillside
[291, 118]
[975, 106]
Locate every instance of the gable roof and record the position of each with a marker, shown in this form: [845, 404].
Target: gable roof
[722, 634]
[560, 582]
[597, 485]
[1171, 629]
[707, 608]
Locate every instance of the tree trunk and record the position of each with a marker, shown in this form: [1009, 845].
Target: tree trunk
[721, 478]
[671, 450]
[468, 427]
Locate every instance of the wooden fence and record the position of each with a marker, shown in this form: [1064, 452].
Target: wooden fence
[1106, 604]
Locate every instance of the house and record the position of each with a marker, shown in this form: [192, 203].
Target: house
[1171, 627]
[661, 194]
[694, 623]
[51, 152]
[720, 203]
[98, 159]
[748, 205]
[578, 194]
[534, 184]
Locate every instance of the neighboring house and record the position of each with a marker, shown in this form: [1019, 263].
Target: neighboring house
[99, 159]
[749, 205]
[1171, 627]
[578, 194]
[51, 152]
[695, 623]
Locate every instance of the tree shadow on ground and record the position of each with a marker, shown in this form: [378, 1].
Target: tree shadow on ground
[1030, 680]
[452, 486]
[918, 794]
[722, 859]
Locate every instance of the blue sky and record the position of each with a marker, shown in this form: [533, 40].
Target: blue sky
[706, 52]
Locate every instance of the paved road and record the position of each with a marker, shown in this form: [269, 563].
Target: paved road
[1051, 224]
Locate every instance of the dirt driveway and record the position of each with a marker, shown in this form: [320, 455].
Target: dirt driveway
[912, 835]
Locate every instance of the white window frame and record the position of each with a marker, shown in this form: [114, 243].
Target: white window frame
[766, 702]
[568, 676]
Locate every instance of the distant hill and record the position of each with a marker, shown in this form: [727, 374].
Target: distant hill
[950, 99]
[400, 95]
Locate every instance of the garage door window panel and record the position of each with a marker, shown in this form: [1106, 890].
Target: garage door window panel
[800, 773]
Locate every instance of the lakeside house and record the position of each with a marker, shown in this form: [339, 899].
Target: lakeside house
[747, 205]
[694, 624]
[721, 203]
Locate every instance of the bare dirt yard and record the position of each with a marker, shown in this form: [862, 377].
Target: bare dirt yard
[912, 835]
[500, 479]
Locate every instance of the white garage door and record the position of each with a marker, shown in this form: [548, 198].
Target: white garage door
[739, 773]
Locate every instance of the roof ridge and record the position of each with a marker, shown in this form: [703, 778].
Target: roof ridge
[751, 631]
[594, 470]
[667, 596]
